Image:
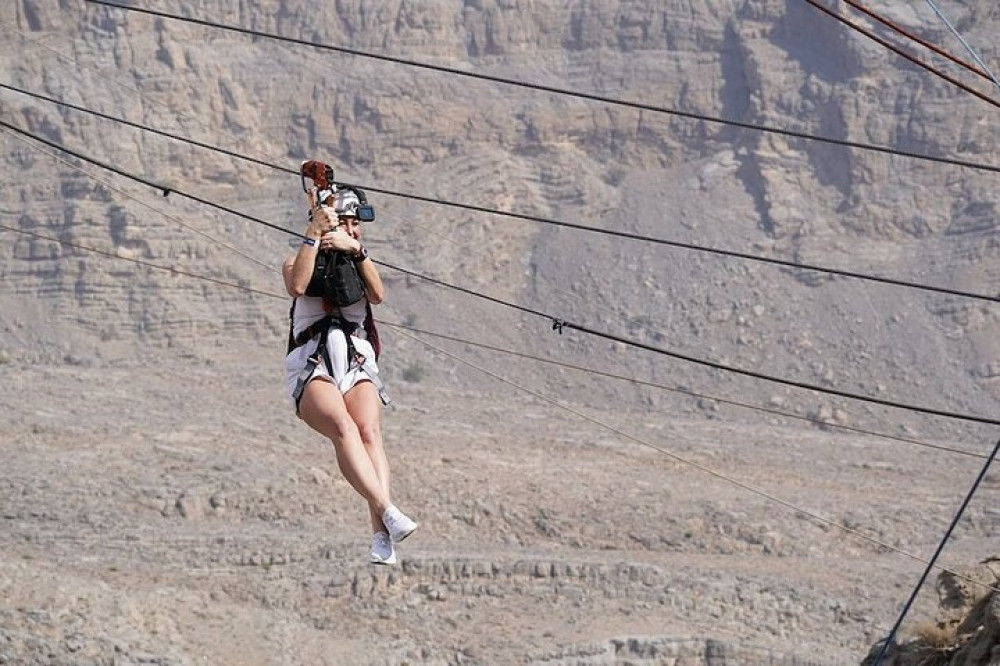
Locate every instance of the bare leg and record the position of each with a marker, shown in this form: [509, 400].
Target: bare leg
[365, 408]
[324, 410]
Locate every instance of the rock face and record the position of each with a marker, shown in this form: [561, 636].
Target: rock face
[102, 272]
[508, 148]
[967, 629]
[513, 149]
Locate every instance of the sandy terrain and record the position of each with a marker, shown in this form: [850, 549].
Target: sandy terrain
[181, 515]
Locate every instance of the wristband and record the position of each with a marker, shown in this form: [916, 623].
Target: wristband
[311, 242]
[361, 255]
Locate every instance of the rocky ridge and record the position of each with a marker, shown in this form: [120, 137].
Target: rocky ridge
[68, 310]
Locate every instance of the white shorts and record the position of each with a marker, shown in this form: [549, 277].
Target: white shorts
[344, 376]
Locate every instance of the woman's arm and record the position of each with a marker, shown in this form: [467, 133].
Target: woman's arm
[373, 281]
[298, 269]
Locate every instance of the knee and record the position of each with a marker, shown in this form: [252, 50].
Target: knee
[371, 433]
[342, 430]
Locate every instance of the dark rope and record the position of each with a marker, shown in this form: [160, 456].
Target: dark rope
[930, 565]
[562, 324]
[699, 361]
[530, 218]
[918, 39]
[900, 52]
[557, 91]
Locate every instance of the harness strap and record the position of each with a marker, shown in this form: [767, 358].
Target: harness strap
[322, 328]
[303, 379]
[365, 364]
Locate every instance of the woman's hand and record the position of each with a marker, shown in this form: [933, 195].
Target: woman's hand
[321, 222]
[339, 241]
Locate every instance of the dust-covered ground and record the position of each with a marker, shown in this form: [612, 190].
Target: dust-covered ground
[161, 504]
[178, 513]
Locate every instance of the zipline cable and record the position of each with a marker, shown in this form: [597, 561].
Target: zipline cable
[559, 91]
[559, 324]
[633, 438]
[111, 187]
[148, 264]
[166, 190]
[703, 468]
[173, 112]
[257, 161]
[618, 234]
[931, 563]
[900, 52]
[982, 474]
[522, 355]
[677, 389]
[250, 159]
[992, 77]
[618, 431]
[147, 128]
[892, 25]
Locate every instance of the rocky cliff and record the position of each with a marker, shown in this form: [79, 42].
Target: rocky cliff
[508, 148]
[100, 271]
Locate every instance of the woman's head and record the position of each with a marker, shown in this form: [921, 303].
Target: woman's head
[349, 201]
[345, 205]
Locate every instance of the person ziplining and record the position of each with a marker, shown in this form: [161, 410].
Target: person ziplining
[331, 370]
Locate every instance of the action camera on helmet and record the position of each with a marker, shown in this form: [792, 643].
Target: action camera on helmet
[357, 205]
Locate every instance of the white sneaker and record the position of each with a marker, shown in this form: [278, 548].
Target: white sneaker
[382, 550]
[398, 524]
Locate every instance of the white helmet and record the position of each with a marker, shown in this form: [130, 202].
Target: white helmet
[346, 203]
